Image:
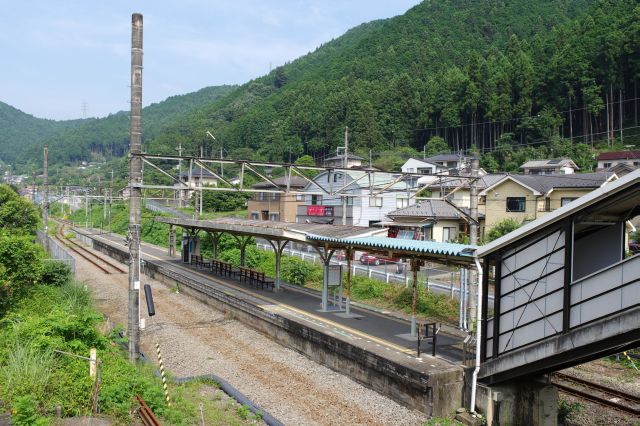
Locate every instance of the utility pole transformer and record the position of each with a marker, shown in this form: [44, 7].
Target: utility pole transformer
[135, 183]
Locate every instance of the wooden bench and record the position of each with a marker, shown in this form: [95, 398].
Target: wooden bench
[200, 261]
[255, 277]
[222, 268]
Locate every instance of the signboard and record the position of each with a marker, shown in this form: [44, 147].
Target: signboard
[326, 211]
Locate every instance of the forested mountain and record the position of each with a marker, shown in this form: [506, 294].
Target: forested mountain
[19, 131]
[482, 74]
[95, 138]
[512, 79]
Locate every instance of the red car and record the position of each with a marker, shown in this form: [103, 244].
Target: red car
[370, 259]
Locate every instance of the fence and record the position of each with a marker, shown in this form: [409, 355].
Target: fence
[57, 251]
[447, 282]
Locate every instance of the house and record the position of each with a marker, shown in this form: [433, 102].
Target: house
[557, 166]
[519, 197]
[276, 206]
[199, 177]
[606, 160]
[430, 219]
[423, 167]
[338, 161]
[455, 163]
[362, 209]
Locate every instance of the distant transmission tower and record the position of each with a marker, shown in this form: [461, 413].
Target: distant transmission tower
[84, 108]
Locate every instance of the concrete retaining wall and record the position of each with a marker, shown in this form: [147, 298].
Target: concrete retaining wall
[434, 393]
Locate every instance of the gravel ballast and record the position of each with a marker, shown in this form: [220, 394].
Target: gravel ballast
[196, 339]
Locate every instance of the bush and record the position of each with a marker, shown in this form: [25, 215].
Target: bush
[427, 303]
[501, 228]
[55, 273]
[367, 288]
[20, 268]
[294, 270]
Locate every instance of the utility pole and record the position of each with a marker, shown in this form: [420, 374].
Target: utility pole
[473, 233]
[200, 198]
[135, 181]
[110, 199]
[33, 187]
[45, 201]
[345, 162]
[179, 149]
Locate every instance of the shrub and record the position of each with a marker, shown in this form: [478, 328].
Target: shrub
[501, 228]
[366, 288]
[294, 270]
[25, 412]
[55, 273]
[20, 268]
[427, 303]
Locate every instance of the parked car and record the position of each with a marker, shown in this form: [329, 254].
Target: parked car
[634, 247]
[370, 259]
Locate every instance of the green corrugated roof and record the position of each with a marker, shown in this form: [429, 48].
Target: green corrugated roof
[384, 243]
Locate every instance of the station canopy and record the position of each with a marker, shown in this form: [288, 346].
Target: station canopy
[334, 237]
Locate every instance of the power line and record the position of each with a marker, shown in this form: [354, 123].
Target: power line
[613, 103]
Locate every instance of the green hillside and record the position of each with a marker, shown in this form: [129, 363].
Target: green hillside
[19, 131]
[512, 79]
[479, 74]
[97, 139]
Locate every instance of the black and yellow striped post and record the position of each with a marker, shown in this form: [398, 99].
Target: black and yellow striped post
[164, 379]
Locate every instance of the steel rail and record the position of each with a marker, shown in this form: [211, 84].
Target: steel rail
[589, 395]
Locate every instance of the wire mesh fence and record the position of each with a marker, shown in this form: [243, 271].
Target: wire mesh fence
[57, 251]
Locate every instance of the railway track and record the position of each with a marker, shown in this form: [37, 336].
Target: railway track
[597, 393]
[106, 266]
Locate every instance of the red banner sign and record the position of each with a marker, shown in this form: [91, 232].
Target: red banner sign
[326, 211]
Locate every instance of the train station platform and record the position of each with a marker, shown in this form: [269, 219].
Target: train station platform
[367, 337]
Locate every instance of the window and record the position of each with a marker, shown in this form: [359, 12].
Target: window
[375, 201]
[606, 165]
[566, 200]
[262, 196]
[316, 200]
[425, 171]
[299, 197]
[448, 234]
[349, 201]
[274, 217]
[402, 203]
[516, 204]
[255, 215]
[275, 196]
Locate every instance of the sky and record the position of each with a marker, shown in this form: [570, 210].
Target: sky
[71, 59]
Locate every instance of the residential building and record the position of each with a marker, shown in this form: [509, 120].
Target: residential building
[455, 163]
[606, 160]
[557, 166]
[430, 219]
[338, 161]
[274, 206]
[422, 167]
[362, 209]
[520, 197]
